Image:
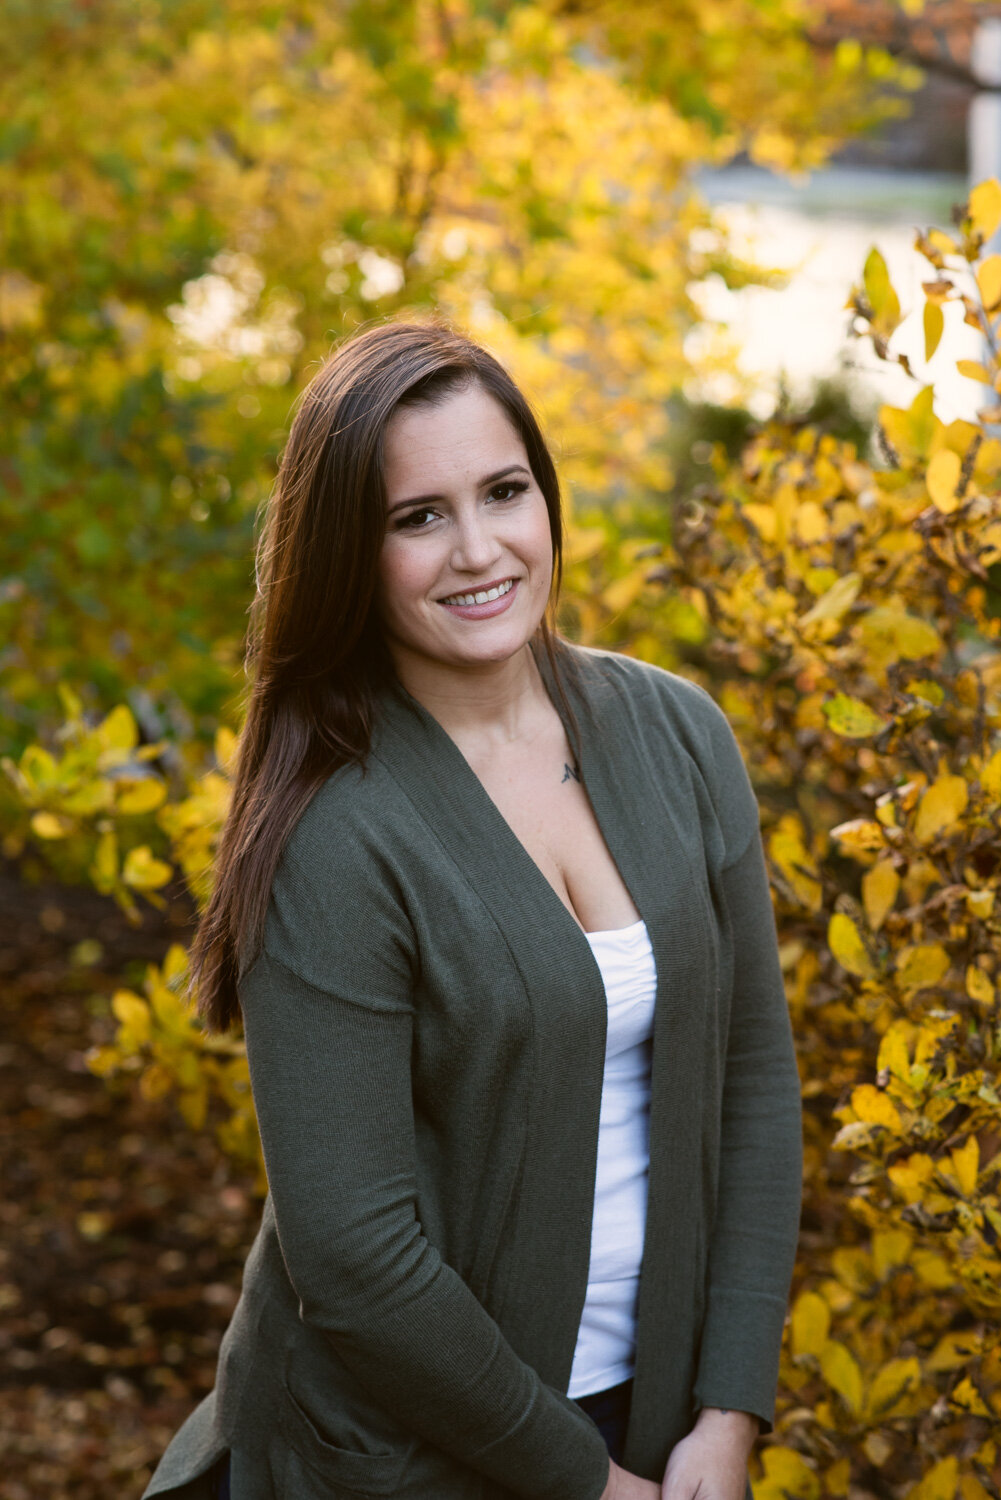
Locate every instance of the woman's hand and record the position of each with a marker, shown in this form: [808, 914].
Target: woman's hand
[622, 1485]
[711, 1462]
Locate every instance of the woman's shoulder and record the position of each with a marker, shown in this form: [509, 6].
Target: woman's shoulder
[355, 804]
[633, 702]
[612, 682]
[335, 890]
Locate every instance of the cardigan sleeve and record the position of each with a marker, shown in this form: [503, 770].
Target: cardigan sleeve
[752, 1246]
[330, 1070]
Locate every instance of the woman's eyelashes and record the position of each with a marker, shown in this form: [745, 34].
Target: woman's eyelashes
[413, 520]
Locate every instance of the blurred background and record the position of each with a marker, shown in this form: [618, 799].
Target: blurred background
[697, 233]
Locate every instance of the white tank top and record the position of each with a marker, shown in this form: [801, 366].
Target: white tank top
[606, 1340]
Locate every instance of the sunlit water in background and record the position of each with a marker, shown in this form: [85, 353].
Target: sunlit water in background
[821, 233]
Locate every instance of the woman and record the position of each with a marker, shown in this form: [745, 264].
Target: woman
[495, 911]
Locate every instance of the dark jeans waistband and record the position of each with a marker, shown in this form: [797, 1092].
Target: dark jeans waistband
[609, 1410]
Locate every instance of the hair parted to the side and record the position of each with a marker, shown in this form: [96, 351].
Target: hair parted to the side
[314, 653]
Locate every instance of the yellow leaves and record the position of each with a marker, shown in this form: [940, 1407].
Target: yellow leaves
[893, 1382]
[870, 1110]
[117, 734]
[989, 545]
[933, 1271]
[972, 369]
[810, 1324]
[894, 1055]
[763, 517]
[938, 242]
[936, 1032]
[859, 836]
[36, 771]
[873, 1107]
[837, 1477]
[162, 1040]
[911, 429]
[920, 965]
[851, 717]
[880, 886]
[970, 1488]
[772, 148]
[226, 746]
[175, 963]
[90, 798]
[48, 826]
[787, 1476]
[989, 282]
[142, 796]
[888, 632]
[966, 1165]
[845, 942]
[155, 1083]
[143, 871]
[929, 692]
[990, 778]
[890, 1249]
[853, 1268]
[104, 868]
[984, 208]
[954, 1350]
[943, 479]
[77, 798]
[911, 1176]
[941, 807]
[789, 852]
[882, 298]
[939, 1483]
[934, 325]
[837, 600]
[810, 523]
[841, 1371]
[623, 592]
[979, 985]
[133, 1014]
[583, 543]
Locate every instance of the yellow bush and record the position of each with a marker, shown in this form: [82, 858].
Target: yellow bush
[848, 616]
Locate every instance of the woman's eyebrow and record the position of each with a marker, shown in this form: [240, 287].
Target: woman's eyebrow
[488, 479]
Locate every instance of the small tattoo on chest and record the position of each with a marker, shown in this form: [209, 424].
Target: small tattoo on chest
[570, 773]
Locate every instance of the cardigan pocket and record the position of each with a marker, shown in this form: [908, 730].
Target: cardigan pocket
[317, 1467]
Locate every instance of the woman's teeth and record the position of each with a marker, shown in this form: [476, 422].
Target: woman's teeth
[483, 597]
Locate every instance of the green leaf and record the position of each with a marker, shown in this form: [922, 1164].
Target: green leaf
[851, 717]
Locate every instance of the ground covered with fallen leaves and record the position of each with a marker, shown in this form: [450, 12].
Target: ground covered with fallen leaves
[123, 1233]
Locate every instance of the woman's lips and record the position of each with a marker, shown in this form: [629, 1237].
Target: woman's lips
[483, 611]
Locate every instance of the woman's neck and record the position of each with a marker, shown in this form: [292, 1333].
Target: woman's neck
[495, 703]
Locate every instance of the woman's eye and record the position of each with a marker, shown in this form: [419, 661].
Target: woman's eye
[510, 488]
[413, 520]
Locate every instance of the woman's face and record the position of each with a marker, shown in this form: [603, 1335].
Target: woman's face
[467, 559]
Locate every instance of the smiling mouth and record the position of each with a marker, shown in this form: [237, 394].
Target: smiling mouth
[481, 596]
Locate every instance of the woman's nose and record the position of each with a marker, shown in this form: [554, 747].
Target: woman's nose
[475, 546]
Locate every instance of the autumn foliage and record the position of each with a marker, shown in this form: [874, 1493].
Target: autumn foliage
[847, 618]
[851, 618]
[844, 610]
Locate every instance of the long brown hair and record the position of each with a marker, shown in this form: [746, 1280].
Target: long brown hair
[315, 654]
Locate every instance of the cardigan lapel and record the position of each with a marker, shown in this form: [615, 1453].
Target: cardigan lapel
[645, 805]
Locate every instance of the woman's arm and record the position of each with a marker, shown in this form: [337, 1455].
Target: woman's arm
[331, 1076]
[752, 1247]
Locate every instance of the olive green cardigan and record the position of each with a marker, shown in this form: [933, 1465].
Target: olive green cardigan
[425, 1026]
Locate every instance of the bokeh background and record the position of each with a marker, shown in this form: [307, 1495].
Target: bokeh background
[743, 254]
